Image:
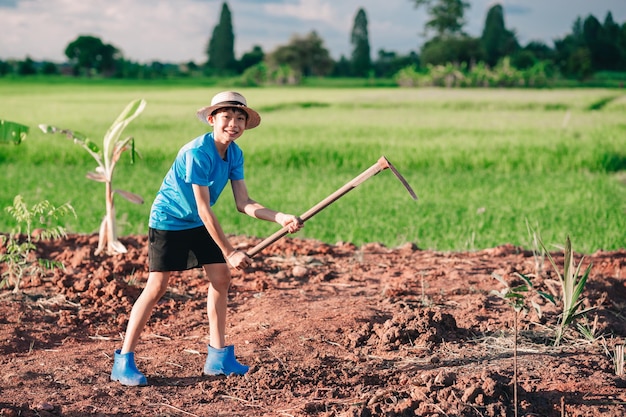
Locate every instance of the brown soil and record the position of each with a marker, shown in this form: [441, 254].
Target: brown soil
[328, 330]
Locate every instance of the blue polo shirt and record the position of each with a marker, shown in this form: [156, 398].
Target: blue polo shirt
[198, 162]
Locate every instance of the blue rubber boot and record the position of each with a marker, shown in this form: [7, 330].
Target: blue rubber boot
[223, 362]
[125, 371]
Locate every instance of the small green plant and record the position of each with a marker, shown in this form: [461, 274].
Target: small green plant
[589, 331]
[11, 132]
[572, 286]
[20, 254]
[107, 158]
[517, 298]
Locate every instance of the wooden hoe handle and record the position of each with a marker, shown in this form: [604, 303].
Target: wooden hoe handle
[380, 165]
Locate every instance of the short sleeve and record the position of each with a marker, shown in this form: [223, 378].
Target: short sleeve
[197, 168]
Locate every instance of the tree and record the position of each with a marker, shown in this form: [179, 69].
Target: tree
[611, 29]
[529, 55]
[447, 16]
[621, 43]
[579, 63]
[221, 49]
[361, 59]
[565, 49]
[459, 49]
[592, 46]
[343, 67]
[5, 68]
[497, 41]
[593, 39]
[109, 56]
[89, 54]
[305, 55]
[389, 63]
[249, 59]
[49, 68]
[26, 67]
[610, 54]
[540, 50]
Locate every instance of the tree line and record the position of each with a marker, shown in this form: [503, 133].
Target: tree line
[592, 46]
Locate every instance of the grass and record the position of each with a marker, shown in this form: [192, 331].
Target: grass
[483, 162]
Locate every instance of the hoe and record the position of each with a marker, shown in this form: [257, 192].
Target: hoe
[382, 164]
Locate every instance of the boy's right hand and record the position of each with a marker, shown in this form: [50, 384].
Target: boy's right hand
[238, 259]
[289, 220]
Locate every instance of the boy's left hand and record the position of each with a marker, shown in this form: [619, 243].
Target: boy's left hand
[238, 260]
[290, 221]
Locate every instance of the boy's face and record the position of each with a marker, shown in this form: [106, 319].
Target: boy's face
[228, 124]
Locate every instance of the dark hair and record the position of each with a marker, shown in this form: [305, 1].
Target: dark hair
[236, 109]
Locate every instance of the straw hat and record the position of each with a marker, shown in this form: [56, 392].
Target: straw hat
[230, 99]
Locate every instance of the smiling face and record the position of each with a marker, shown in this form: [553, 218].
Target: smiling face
[228, 124]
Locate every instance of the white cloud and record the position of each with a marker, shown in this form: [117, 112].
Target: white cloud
[178, 31]
[143, 30]
[303, 9]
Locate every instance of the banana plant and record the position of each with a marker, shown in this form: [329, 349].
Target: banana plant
[107, 157]
[11, 132]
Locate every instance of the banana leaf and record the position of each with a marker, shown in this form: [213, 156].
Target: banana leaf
[11, 132]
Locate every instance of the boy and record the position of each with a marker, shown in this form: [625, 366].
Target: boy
[184, 232]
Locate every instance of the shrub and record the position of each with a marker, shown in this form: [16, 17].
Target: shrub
[20, 254]
[478, 75]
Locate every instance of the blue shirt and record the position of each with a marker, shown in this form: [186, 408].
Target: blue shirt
[198, 162]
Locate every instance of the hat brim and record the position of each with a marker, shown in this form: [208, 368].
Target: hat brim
[254, 119]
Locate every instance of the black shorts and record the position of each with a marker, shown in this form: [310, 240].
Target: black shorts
[179, 250]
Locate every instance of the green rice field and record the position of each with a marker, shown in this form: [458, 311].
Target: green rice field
[484, 163]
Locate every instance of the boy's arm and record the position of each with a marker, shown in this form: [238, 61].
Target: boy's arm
[236, 259]
[254, 209]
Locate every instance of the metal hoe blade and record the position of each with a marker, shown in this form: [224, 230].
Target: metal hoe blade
[393, 169]
[382, 164]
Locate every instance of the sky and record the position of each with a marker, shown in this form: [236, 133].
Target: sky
[178, 31]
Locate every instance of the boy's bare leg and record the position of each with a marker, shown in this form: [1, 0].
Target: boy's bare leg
[217, 302]
[142, 309]
[220, 358]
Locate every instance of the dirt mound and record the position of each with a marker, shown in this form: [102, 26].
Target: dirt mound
[328, 330]
[407, 327]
